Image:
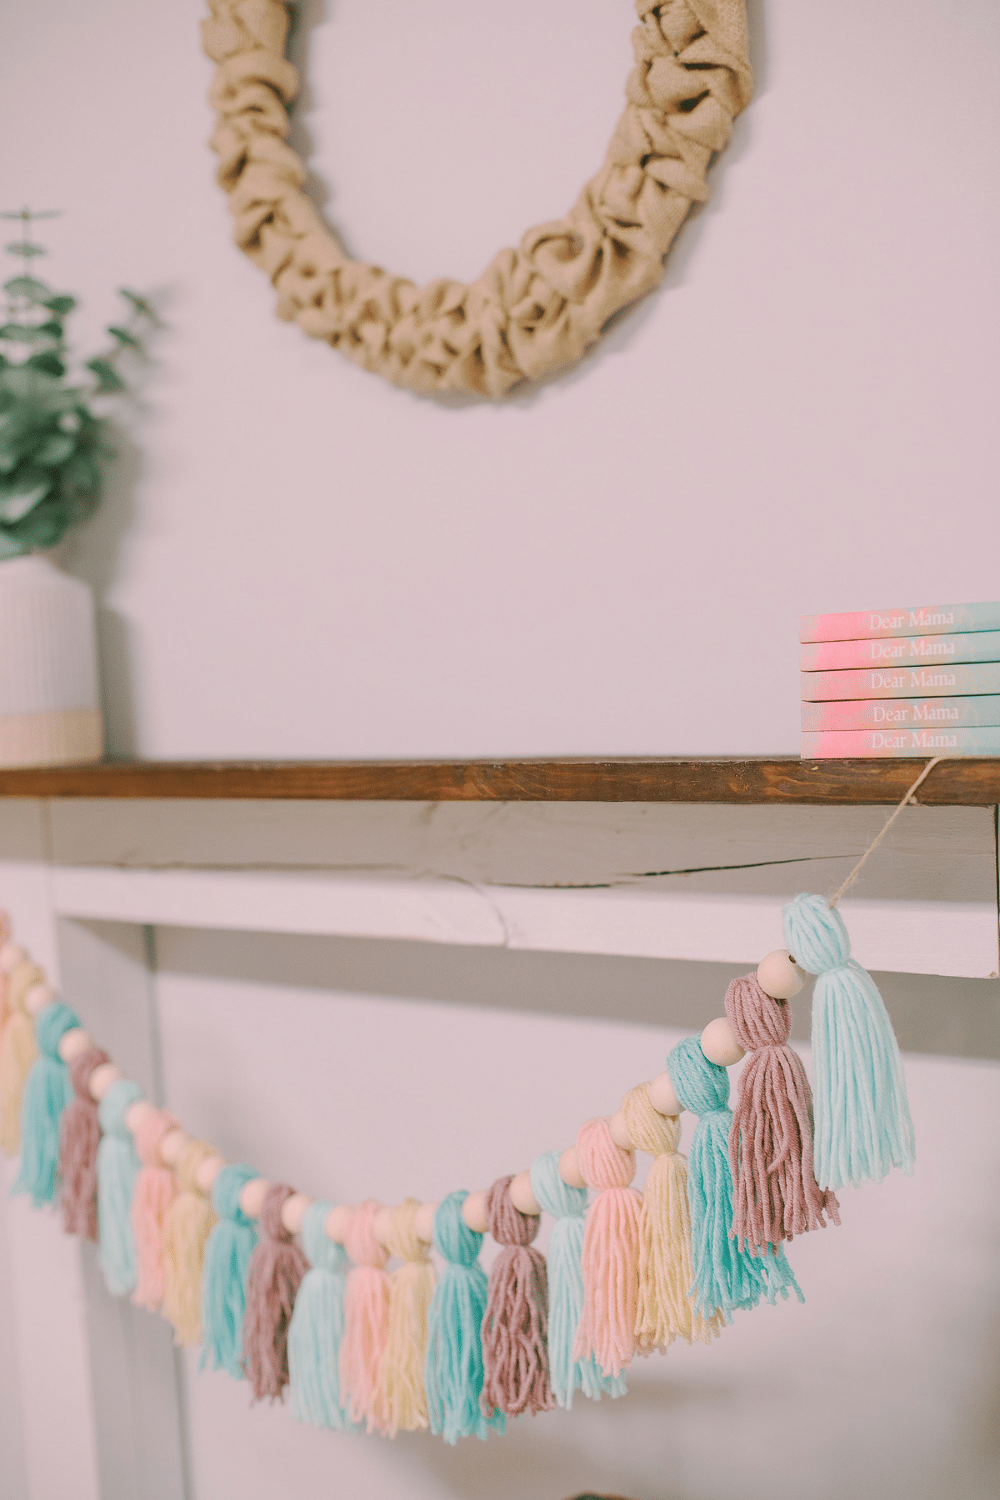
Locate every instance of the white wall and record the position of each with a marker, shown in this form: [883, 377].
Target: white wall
[298, 560]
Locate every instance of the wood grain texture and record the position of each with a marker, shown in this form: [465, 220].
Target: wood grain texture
[958, 783]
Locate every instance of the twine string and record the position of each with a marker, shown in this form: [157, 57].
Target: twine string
[908, 798]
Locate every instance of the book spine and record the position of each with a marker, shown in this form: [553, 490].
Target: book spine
[924, 619]
[901, 682]
[864, 743]
[901, 713]
[828, 656]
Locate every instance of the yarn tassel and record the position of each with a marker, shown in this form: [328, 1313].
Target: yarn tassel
[366, 1317]
[117, 1168]
[17, 1051]
[79, 1138]
[610, 1251]
[726, 1277]
[453, 1371]
[47, 1091]
[665, 1310]
[564, 1258]
[224, 1274]
[771, 1137]
[277, 1266]
[863, 1124]
[515, 1324]
[317, 1328]
[155, 1190]
[400, 1396]
[186, 1229]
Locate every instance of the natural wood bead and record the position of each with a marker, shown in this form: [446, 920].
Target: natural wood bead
[474, 1213]
[521, 1195]
[10, 956]
[208, 1171]
[293, 1211]
[719, 1044]
[101, 1080]
[569, 1169]
[137, 1112]
[779, 975]
[662, 1096]
[72, 1043]
[336, 1222]
[423, 1222]
[38, 997]
[172, 1145]
[252, 1196]
[619, 1130]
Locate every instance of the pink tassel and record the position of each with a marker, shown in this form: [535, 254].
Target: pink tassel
[366, 1318]
[277, 1266]
[79, 1138]
[611, 1251]
[155, 1190]
[515, 1326]
[775, 1194]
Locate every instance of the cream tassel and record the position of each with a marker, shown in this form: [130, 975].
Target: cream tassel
[18, 1051]
[187, 1226]
[400, 1397]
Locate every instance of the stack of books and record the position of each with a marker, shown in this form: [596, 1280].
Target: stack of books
[917, 682]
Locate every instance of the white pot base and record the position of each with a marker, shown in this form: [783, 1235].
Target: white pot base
[72, 736]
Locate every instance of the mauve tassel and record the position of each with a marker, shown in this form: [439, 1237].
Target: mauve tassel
[47, 1091]
[366, 1317]
[317, 1328]
[117, 1169]
[155, 1190]
[665, 1311]
[453, 1371]
[186, 1229]
[277, 1266]
[79, 1138]
[224, 1273]
[17, 1051]
[610, 1250]
[400, 1397]
[771, 1137]
[515, 1324]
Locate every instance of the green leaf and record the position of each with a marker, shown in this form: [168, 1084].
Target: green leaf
[23, 247]
[49, 362]
[27, 286]
[27, 333]
[55, 450]
[19, 496]
[124, 337]
[82, 474]
[139, 304]
[60, 305]
[108, 378]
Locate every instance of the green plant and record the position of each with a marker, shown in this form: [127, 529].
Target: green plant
[51, 438]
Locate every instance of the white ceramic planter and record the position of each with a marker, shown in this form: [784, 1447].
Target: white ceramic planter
[49, 702]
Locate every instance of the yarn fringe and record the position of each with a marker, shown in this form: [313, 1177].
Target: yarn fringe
[17, 1051]
[317, 1328]
[79, 1138]
[366, 1318]
[453, 1370]
[188, 1224]
[47, 1091]
[401, 1398]
[228, 1249]
[117, 1168]
[277, 1266]
[515, 1324]
[610, 1251]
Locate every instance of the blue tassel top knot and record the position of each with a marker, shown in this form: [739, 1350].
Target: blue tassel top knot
[321, 1251]
[51, 1025]
[555, 1196]
[454, 1241]
[113, 1107]
[815, 935]
[701, 1086]
[226, 1191]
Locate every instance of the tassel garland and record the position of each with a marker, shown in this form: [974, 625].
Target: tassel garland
[610, 1250]
[155, 1190]
[366, 1317]
[17, 1051]
[186, 1229]
[453, 1371]
[47, 1091]
[515, 1324]
[317, 1328]
[224, 1274]
[79, 1138]
[277, 1266]
[117, 1168]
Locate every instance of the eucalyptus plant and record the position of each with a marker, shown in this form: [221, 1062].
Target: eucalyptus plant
[52, 438]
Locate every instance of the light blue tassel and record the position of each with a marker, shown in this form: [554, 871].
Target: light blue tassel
[862, 1119]
[47, 1091]
[453, 1373]
[564, 1259]
[224, 1274]
[317, 1328]
[117, 1168]
[725, 1277]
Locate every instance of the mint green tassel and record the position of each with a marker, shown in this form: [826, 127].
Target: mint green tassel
[224, 1274]
[47, 1091]
[564, 1259]
[317, 1328]
[453, 1373]
[726, 1277]
[117, 1168]
[862, 1118]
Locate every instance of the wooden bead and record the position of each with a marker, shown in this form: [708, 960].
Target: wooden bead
[136, 1113]
[423, 1222]
[619, 1130]
[779, 975]
[719, 1044]
[474, 1213]
[293, 1211]
[569, 1169]
[101, 1080]
[662, 1096]
[207, 1172]
[38, 997]
[521, 1195]
[252, 1196]
[336, 1222]
[172, 1145]
[10, 956]
[72, 1043]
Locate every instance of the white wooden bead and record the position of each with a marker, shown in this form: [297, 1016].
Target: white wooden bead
[662, 1096]
[336, 1222]
[172, 1145]
[72, 1043]
[569, 1168]
[137, 1112]
[779, 975]
[521, 1195]
[381, 1226]
[619, 1130]
[38, 997]
[10, 956]
[252, 1196]
[474, 1212]
[719, 1044]
[423, 1222]
[207, 1172]
[102, 1078]
[293, 1211]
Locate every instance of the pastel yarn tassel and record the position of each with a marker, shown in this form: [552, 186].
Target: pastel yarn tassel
[401, 1399]
[515, 1324]
[47, 1091]
[564, 1258]
[317, 1328]
[771, 1137]
[862, 1117]
[188, 1224]
[366, 1317]
[665, 1310]
[277, 1266]
[17, 1051]
[117, 1168]
[726, 1277]
[228, 1249]
[79, 1138]
[453, 1371]
[610, 1251]
[154, 1192]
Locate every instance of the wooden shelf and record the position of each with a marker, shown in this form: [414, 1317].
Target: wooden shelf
[962, 783]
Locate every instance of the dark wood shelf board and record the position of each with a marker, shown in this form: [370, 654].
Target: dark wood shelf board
[963, 783]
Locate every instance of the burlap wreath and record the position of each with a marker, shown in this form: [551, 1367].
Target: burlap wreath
[533, 310]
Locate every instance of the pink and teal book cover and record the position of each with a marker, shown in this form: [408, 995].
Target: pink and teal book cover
[901, 713]
[829, 656]
[925, 741]
[923, 619]
[937, 681]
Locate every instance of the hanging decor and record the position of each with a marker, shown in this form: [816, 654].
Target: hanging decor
[537, 308]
